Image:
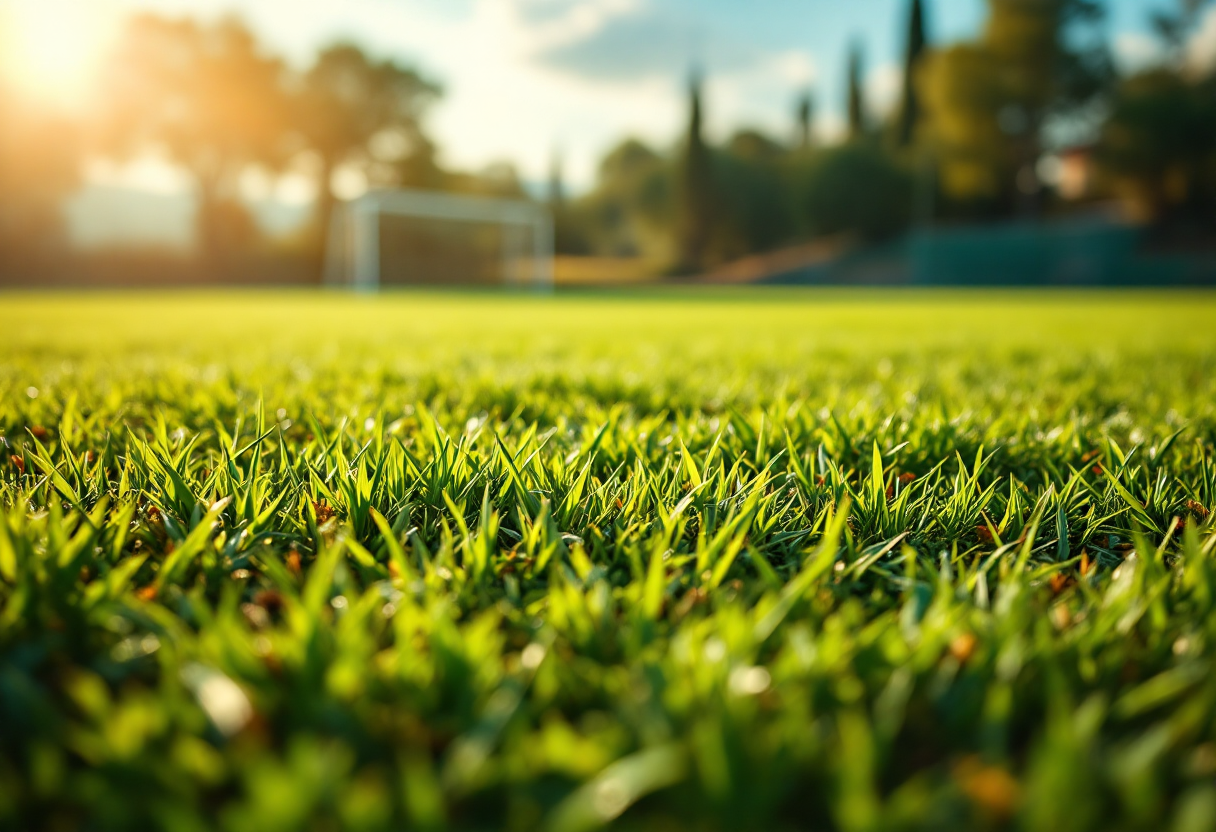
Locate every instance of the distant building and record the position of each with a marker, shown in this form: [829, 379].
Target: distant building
[1075, 179]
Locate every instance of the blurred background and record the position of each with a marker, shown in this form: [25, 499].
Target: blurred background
[188, 142]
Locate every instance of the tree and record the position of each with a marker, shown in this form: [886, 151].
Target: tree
[209, 97]
[497, 179]
[990, 101]
[39, 165]
[1174, 26]
[857, 188]
[1158, 147]
[804, 117]
[964, 104]
[856, 95]
[557, 186]
[696, 212]
[909, 112]
[351, 109]
[752, 169]
[632, 209]
[569, 233]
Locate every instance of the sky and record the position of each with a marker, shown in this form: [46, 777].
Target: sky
[525, 80]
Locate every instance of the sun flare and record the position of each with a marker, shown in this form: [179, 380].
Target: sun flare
[49, 49]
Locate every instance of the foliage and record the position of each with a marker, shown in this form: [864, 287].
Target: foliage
[756, 172]
[769, 195]
[855, 94]
[348, 104]
[219, 103]
[1157, 144]
[709, 561]
[857, 187]
[631, 211]
[989, 101]
[38, 166]
[804, 118]
[1175, 26]
[915, 48]
[207, 96]
[697, 192]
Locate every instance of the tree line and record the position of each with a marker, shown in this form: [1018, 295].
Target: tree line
[966, 142]
[217, 102]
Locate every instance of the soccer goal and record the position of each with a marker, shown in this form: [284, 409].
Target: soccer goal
[409, 238]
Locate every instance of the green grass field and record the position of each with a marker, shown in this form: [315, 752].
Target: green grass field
[725, 560]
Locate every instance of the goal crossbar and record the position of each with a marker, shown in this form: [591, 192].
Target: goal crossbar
[357, 230]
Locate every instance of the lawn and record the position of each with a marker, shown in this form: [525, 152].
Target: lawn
[729, 560]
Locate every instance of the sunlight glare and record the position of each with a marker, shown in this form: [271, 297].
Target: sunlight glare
[49, 48]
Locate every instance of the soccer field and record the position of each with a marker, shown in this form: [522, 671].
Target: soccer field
[679, 560]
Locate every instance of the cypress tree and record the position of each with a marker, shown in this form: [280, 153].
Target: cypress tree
[857, 106]
[805, 117]
[696, 188]
[910, 109]
[557, 188]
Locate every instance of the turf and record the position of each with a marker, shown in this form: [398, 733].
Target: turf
[684, 561]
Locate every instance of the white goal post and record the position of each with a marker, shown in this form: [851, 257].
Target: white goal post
[355, 250]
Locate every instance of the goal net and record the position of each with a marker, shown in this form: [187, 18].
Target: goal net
[411, 238]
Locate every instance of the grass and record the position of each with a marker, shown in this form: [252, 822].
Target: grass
[684, 561]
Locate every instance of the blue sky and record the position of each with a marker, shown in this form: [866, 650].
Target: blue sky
[524, 78]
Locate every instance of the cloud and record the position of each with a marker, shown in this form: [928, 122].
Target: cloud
[1135, 51]
[502, 102]
[624, 50]
[762, 95]
[573, 16]
[635, 41]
